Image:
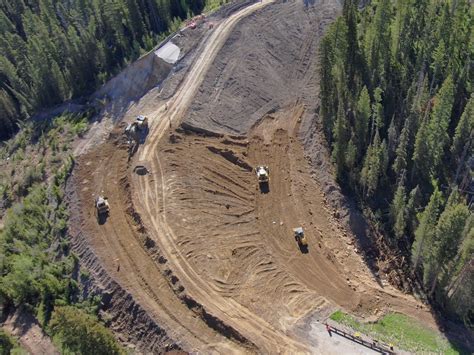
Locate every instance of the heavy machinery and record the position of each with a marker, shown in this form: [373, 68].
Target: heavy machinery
[102, 207]
[300, 237]
[141, 122]
[262, 174]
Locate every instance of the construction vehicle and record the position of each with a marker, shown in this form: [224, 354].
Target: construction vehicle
[262, 174]
[300, 237]
[141, 122]
[102, 207]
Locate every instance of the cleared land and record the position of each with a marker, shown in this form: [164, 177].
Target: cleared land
[198, 247]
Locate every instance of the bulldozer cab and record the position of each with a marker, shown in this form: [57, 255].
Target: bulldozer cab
[141, 122]
[299, 236]
[102, 205]
[262, 173]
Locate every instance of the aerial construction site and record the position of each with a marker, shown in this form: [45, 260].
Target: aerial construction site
[221, 227]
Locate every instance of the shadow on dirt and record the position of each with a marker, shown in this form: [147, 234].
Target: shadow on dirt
[264, 187]
[141, 170]
[304, 249]
[142, 134]
[102, 218]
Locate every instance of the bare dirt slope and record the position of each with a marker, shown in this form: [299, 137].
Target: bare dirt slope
[129, 256]
[231, 246]
[266, 63]
[30, 335]
[207, 256]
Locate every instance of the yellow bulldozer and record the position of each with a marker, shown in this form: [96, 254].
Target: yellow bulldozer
[300, 237]
[102, 208]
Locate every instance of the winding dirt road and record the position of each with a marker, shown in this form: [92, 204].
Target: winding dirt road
[152, 198]
[205, 254]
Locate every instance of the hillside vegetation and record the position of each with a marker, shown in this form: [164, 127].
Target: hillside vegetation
[52, 50]
[38, 272]
[397, 108]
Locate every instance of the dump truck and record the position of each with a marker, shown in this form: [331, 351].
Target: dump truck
[300, 237]
[102, 206]
[262, 174]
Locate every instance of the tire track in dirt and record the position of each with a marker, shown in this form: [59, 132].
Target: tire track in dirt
[225, 309]
[221, 275]
[122, 247]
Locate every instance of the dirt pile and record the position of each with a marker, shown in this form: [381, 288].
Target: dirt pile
[265, 63]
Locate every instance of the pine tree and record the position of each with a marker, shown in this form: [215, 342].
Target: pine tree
[373, 166]
[362, 121]
[432, 136]
[401, 155]
[447, 238]
[464, 131]
[398, 211]
[425, 231]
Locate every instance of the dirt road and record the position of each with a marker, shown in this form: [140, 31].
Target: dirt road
[194, 241]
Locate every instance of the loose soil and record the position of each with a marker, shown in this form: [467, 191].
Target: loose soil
[205, 257]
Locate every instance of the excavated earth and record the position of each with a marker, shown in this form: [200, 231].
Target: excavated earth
[194, 256]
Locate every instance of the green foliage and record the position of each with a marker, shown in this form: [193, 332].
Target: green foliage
[37, 269]
[52, 51]
[398, 212]
[8, 345]
[80, 333]
[426, 227]
[397, 110]
[405, 332]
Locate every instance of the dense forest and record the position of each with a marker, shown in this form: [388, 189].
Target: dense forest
[54, 50]
[397, 108]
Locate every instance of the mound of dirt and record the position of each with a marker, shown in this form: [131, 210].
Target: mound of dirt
[268, 61]
[135, 80]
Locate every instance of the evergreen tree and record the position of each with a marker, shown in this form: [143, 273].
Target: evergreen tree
[398, 211]
[425, 231]
[433, 134]
[362, 121]
[447, 238]
[464, 131]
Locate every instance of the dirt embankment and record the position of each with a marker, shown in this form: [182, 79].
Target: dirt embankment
[31, 337]
[267, 62]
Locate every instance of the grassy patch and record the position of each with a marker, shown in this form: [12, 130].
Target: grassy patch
[406, 333]
[214, 4]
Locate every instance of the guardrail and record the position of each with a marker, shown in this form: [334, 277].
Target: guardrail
[356, 337]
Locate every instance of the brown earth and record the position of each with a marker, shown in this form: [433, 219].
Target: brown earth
[205, 260]
[27, 330]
